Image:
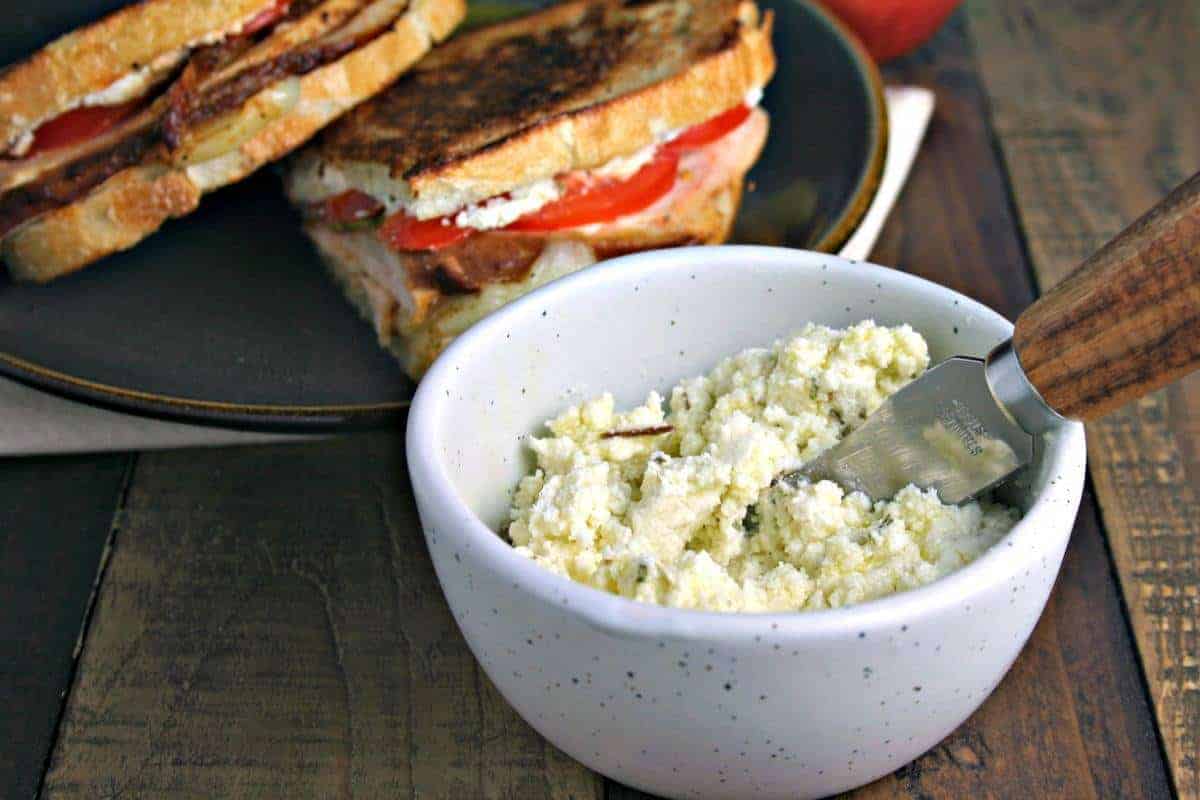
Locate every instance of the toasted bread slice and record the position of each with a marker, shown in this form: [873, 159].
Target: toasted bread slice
[564, 89]
[416, 317]
[116, 215]
[92, 59]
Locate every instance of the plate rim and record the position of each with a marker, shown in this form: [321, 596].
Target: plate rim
[285, 418]
[259, 417]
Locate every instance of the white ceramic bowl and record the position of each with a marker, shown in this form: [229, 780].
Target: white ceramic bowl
[700, 704]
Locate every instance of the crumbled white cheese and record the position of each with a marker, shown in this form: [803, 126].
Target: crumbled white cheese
[124, 88]
[754, 96]
[504, 210]
[624, 167]
[682, 511]
[136, 83]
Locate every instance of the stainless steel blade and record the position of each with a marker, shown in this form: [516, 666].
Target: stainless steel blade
[944, 431]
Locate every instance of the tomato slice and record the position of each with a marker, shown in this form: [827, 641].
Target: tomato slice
[79, 125]
[348, 208]
[603, 199]
[403, 232]
[266, 17]
[705, 132]
[585, 201]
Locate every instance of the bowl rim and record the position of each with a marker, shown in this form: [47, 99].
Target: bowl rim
[1045, 526]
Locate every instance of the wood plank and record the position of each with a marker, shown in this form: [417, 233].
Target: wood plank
[1071, 718]
[270, 625]
[55, 518]
[1095, 111]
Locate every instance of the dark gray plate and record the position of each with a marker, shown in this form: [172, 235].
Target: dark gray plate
[226, 317]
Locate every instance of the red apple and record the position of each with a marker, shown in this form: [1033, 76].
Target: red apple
[891, 28]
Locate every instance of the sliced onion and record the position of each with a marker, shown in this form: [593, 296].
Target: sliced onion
[229, 131]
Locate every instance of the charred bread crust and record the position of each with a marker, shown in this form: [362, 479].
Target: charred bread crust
[107, 219]
[472, 146]
[92, 58]
[597, 134]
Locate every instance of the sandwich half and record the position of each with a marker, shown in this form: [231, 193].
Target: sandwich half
[523, 151]
[114, 128]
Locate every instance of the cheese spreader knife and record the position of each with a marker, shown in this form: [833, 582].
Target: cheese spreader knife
[1124, 323]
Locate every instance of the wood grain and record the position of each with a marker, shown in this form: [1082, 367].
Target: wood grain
[1127, 321]
[56, 516]
[1094, 108]
[270, 625]
[1071, 719]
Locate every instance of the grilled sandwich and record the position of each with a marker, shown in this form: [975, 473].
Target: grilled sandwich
[114, 128]
[524, 151]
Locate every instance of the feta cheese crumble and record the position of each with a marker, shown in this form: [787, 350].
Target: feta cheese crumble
[674, 504]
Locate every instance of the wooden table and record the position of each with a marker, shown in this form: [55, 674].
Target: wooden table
[265, 621]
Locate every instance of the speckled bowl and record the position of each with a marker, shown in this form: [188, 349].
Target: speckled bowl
[698, 704]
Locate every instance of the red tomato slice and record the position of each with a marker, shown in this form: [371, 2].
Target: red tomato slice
[79, 125]
[402, 232]
[604, 199]
[705, 132]
[266, 17]
[585, 201]
[348, 208]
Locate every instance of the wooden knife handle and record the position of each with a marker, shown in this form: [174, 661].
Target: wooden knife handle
[1127, 321]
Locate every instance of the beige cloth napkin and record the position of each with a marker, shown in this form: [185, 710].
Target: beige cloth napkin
[32, 422]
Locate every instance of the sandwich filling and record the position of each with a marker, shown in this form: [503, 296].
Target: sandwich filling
[583, 199]
[213, 98]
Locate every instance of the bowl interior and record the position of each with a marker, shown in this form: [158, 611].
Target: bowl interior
[643, 322]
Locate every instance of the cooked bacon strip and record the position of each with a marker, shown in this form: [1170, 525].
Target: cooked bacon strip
[189, 110]
[185, 92]
[465, 268]
[297, 29]
[195, 100]
[66, 176]
[72, 180]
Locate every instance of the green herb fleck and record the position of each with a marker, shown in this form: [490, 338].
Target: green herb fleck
[643, 572]
[750, 521]
[353, 226]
